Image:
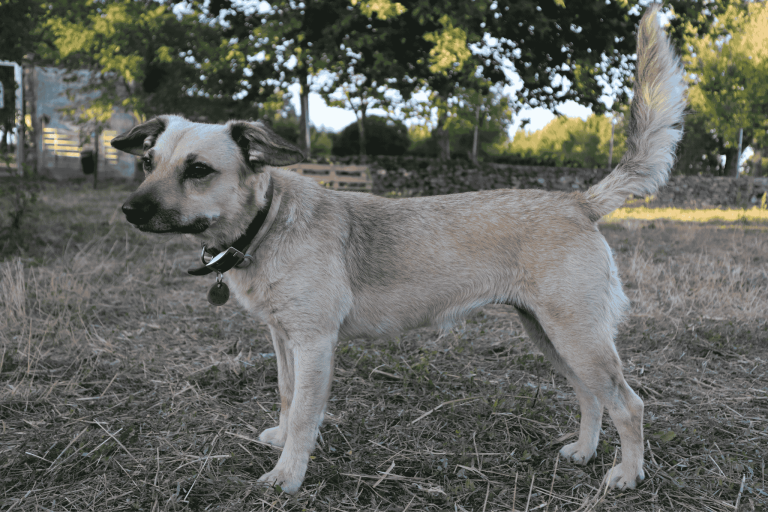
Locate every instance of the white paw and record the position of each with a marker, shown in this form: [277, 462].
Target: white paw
[288, 480]
[624, 477]
[577, 454]
[274, 436]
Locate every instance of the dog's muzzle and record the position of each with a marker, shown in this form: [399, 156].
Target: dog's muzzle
[140, 210]
[147, 213]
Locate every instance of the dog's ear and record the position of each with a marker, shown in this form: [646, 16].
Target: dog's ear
[260, 145]
[141, 137]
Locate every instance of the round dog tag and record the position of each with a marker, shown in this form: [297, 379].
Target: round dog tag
[218, 295]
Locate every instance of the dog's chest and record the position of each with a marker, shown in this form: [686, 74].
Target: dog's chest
[251, 291]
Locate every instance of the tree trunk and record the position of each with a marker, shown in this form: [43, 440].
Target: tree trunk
[304, 132]
[731, 168]
[96, 137]
[738, 154]
[363, 139]
[476, 135]
[757, 163]
[443, 140]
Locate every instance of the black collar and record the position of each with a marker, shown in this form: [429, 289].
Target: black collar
[235, 254]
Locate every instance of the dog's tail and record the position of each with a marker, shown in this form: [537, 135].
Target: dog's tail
[655, 123]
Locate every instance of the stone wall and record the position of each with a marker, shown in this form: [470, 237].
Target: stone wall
[420, 176]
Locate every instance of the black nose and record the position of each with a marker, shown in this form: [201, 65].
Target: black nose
[139, 210]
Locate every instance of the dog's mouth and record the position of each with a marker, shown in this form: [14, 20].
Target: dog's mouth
[159, 227]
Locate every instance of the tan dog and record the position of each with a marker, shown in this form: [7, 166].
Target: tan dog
[331, 265]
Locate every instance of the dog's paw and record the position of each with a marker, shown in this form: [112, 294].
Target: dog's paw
[575, 453]
[274, 436]
[621, 477]
[289, 481]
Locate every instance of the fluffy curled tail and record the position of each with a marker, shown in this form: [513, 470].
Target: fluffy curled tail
[655, 123]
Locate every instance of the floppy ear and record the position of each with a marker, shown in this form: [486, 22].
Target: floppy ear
[260, 145]
[141, 137]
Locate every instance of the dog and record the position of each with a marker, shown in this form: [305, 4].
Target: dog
[318, 265]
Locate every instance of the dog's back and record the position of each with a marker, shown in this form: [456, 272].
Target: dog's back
[432, 260]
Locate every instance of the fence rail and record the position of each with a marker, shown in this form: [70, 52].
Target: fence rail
[337, 177]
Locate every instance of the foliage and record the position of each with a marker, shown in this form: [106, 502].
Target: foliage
[699, 151]
[288, 39]
[17, 194]
[728, 65]
[383, 137]
[216, 59]
[18, 28]
[147, 58]
[322, 141]
[285, 123]
[572, 141]
[563, 50]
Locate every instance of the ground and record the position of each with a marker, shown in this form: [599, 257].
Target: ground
[123, 389]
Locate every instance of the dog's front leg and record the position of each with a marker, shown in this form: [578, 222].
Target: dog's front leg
[313, 371]
[285, 381]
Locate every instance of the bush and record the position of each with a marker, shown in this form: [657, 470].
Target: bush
[287, 128]
[568, 142]
[383, 137]
[17, 193]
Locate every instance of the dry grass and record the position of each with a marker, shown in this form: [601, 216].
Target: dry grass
[754, 214]
[122, 389]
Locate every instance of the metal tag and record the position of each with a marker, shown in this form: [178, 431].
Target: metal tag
[218, 295]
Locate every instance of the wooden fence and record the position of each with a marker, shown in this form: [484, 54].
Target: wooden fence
[337, 177]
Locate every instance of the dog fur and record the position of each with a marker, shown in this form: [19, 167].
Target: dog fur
[335, 265]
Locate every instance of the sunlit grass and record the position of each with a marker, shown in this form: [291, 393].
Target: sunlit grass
[754, 214]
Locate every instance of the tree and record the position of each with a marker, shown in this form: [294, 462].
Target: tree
[699, 151]
[476, 120]
[561, 50]
[289, 37]
[729, 64]
[144, 57]
[386, 137]
[564, 49]
[367, 62]
[18, 28]
[572, 141]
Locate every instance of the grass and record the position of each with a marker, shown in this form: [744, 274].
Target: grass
[754, 214]
[122, 389]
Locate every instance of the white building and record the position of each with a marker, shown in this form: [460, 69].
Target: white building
[58, 139]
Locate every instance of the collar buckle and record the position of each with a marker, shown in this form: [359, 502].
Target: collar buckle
[222, 262]
[234, 256]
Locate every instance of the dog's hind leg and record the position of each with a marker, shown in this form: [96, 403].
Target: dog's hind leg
[285, 381]
[313, 374]
[583, 349]
[583, 450]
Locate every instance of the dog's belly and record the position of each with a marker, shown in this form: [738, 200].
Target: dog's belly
[386, 312]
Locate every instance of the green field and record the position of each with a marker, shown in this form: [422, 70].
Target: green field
[121, 388]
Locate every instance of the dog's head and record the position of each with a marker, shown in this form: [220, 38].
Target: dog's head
[201, 179]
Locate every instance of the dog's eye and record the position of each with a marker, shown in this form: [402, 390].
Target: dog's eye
[197, 171]
[146, 163]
